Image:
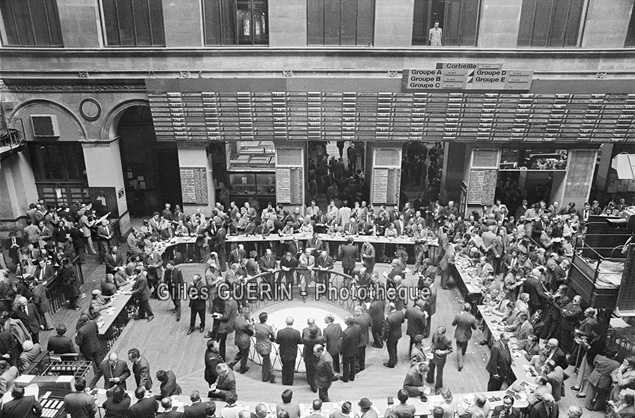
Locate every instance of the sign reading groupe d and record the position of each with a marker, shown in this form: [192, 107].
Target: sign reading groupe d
[466, 76]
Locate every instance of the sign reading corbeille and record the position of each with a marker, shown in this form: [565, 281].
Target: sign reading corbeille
[466, 76]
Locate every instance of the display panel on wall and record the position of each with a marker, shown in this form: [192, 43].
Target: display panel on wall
[194, 186]
[481, 187]
[414, 116]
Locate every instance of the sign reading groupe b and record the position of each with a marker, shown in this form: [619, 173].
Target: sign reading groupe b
[466, 76]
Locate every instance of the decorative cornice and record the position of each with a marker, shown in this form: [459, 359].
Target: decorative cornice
[71, 86]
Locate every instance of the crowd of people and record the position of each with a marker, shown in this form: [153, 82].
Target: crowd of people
[521, 260]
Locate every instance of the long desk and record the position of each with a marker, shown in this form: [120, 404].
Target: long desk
[113, 320]
[423, 409]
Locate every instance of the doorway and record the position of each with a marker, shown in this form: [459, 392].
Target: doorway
[151, 169]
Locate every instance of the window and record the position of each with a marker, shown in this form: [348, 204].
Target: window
[235, 22]
[340, 22]
[62, 161]
[550, 23]
[458, 22]
[133, 22]
[31, 23]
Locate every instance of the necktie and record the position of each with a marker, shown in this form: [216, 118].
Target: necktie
[24, 310]
[12, 241]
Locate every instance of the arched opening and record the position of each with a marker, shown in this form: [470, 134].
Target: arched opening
[150, 168]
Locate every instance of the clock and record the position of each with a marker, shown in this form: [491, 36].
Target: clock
[90, 109]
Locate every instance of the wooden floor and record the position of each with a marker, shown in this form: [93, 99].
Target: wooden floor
[166, 346]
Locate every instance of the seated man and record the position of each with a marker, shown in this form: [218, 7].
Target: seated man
[225, 385]
[30, 352]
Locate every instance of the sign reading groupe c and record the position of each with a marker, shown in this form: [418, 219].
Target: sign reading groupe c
[466, 76]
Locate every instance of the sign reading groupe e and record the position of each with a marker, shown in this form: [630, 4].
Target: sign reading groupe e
[466, 76]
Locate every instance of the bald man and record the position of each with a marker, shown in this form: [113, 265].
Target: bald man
[114, 371]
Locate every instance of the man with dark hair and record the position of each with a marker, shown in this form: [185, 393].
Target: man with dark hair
[465, 322]
[324, 373]
[140, 369]
[506, 410]
[87, 339]
[80, 404]
[333, 337]
[291, 408]
[316, 407]
[210, 409]
[141, 291]
[395, 319]
[173, 278]
[197, 408]
[21, 406]
[403, 410]
[60, 343]
[438, 412]
[499, 364]
[212, 359]
[166, 404]
[197, 302]
[144, 407]
[350, 348]
[168, 386]
[242, 339]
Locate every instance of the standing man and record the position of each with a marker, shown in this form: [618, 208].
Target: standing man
[323, 372]
[499, 364]
[173, 278]
[80, 404]
[395, 319]
[441, 348]
[376, 312]
[244, 330]
[227, 323]
[333, 337]
[267, 263]
[140, 369]
[28, 314]
[350, 348]
[416, 322]
[197, 303]
[362, 319]
[324, 262]
[465, 322]
[348, 255]
[368, 256]
[141, 291]
[87, 339]
[288, 339]
[105, 239]
[115, 372]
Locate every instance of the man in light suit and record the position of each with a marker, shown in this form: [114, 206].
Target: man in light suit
[21, 406]
[140, 369]
[324, 262]
[323, 372]
[524, 328]
[115, 372]
[80, 404]
[465, 322]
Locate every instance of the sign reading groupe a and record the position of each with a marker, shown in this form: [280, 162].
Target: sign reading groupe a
[465, 76]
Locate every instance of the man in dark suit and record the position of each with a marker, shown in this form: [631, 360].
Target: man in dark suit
[141, 291]
[363, 320]
[87, 339]
[115, 372]
[173, 278]
[227, 323]
[416, 322]
[105, 238]
[218, 243]
[237, 255]
[113, 260]
[324, 262]
[44, 271]
[324, 373]
[197, 302]
[244, 330]
[333, 337]
[30, 317]
[547, 408]
[168, 386]
[537, 296]
[350, 348]
[395, 319]
[140, 369]
[348, 255]
[144, 407]
[499, 364]
[288, 339]
[60, 343]
[376, 312]
[465, 322]
[267, 263]
[506, 410]
[15, 243]
[556, 353]
[80, 404]
[197, 408]
[21, 406]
